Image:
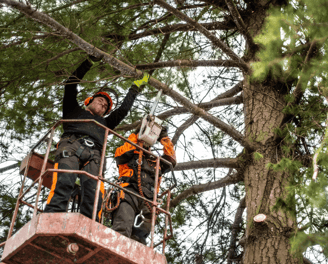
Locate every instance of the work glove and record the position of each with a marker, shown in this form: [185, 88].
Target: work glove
[163, 134]
[142, 82]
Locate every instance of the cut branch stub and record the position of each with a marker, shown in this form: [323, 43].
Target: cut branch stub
[260, 218]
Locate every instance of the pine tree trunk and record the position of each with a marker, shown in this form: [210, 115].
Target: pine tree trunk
[267, 242]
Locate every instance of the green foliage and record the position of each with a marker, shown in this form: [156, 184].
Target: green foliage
[285, 30]
[286, 164]
[257, 156]
[287, 204]
[302, 241]
[8, 202]
[37, 61]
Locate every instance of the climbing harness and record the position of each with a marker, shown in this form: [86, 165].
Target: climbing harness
[85, 143]
[151, 127]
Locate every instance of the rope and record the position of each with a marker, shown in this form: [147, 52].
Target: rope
[139, 176]
[108, 202]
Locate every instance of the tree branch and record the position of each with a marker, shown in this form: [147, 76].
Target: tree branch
[150, 23]
[58, 56]
[209, 163]
[235, 229]
[190, 63]
[182, 110]
[183, 127]
[298, 92]
[47, 12]
[239, 21]
[233, 91]
[159, 53]
[64, 6]
[217, 42]
[160, 50]
[130, 71]
[306, 261]
[206, 106]
[171, 29]
[24, 40]
[195, 189]
[12, 166]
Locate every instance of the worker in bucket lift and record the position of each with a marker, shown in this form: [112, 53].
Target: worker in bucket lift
[141, 181]
[81, 144]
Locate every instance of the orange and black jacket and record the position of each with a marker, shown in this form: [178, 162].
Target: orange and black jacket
[127, 156]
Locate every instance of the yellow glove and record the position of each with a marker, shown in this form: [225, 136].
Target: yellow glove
[142, 81]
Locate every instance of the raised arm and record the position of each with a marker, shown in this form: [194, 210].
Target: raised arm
[120, 113]
[169, 154]
[70, 102]
[168, 149]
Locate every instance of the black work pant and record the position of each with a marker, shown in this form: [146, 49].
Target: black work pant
[124, 216]
[63, 183]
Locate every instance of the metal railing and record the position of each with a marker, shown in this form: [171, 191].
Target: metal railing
[98, 178]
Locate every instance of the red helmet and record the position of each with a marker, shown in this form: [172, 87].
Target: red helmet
[100, 94]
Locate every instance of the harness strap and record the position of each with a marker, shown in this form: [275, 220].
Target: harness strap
[92, 153]
[79, 151]
[66, 154]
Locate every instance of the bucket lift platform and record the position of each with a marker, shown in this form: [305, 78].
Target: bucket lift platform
[73, 238]
[63, 238]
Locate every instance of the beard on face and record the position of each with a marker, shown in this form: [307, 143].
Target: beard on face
[94, 109]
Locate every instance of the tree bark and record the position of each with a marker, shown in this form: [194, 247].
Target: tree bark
[266, 242]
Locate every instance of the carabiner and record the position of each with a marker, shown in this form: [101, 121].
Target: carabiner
[136, 220]
[89, 143]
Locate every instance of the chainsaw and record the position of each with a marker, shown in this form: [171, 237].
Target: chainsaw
[151, 126]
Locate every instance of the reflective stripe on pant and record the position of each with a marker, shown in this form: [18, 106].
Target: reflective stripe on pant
[63, 183]
[124, 215]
